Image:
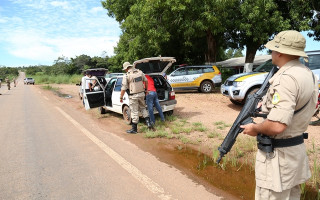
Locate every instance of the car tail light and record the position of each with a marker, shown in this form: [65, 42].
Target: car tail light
[172, 95]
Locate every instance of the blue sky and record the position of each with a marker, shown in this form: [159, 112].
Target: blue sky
[37, 32]
[34, 32]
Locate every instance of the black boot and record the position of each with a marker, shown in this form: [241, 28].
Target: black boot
[148, 122]
[134, 129]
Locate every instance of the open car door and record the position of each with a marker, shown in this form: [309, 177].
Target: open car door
[94, 98]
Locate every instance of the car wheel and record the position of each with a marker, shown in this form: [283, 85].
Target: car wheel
[126, 113]
[102, 110]
[251, 91]
[169, 113]
[238, 103]
[206, 87]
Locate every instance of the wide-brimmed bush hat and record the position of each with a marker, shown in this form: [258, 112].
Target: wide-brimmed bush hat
[289, 42]
[126, 65]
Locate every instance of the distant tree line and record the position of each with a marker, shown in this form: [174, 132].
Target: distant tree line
[63, 65]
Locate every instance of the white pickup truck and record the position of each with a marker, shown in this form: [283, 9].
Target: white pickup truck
[28, 81]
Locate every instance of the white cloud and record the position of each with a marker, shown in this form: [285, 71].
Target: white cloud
[36, 46]
[97, 9]
[62, 4]
[70, 28]
[3, 20]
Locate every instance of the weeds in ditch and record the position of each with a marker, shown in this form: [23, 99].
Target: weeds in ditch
[221, 125]
[49, 87]
[242, 153]
[157, 134]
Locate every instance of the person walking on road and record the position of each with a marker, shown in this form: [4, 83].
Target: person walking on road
[152, 100]
[8, 83]
[289, 104]
[133, 82]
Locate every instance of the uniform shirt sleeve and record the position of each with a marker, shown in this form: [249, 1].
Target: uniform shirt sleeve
[125, 85]
[282, 99]
[144, 78]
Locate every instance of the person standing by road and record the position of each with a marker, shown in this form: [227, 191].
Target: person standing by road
[152, 100]
[8, 83]
[134, 82]
[289, 103]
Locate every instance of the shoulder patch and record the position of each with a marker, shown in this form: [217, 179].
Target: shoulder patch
[275, 98]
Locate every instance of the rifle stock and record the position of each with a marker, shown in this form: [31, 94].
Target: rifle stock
[248, 111]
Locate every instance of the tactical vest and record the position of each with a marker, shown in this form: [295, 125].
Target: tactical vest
[135, 78]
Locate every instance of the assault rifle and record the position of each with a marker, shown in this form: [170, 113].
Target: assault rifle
[248, 111]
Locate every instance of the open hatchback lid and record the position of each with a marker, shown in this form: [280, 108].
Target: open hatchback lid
[97, 71]
[154, 65]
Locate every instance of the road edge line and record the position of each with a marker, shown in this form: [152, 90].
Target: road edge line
[135, 172]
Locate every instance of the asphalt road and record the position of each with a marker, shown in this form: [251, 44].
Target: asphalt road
[51, 151]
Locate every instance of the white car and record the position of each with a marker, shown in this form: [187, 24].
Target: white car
[109, 76]
[239, 86]
[28, 81]
[109, 97]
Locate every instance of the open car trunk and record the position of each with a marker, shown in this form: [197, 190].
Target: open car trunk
[162, 86]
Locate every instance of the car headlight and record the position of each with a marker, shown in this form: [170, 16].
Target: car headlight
[238, 83]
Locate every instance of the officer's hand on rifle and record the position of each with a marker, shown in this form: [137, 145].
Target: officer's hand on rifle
[249, 129]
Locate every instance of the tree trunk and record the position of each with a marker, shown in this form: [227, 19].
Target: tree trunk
[250, 53]
[212, 48]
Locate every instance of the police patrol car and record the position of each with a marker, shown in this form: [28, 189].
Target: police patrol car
[239, 86]
[203, 78]
[108, 98]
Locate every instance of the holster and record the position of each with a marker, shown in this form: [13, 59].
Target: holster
[267, 144]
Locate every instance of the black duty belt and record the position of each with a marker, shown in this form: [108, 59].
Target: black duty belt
[267, 144]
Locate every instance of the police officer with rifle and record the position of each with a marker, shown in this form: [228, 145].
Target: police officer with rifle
[134, 82]
[288, 105]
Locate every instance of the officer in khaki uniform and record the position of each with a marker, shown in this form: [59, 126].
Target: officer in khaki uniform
[133, 82]
[290, 102]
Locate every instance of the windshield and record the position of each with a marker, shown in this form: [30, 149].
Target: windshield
[265, 67]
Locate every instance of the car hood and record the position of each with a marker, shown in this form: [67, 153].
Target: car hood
[97, 71]
[154, 65]
[243, 76]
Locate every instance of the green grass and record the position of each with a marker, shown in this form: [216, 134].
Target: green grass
[49, 87]
[59, 79]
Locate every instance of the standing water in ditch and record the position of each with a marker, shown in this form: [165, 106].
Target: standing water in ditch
[238, 181]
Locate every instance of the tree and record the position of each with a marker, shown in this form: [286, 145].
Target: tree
[195, 32]
[187, 30]
[80, 61]
[258, 20]
[315, 23]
